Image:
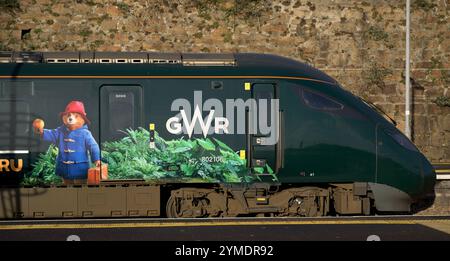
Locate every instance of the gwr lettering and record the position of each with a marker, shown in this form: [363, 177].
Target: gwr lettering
[261, 112]
[10, 165]
[175, 127]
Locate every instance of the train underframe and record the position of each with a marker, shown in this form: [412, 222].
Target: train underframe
[189, 200]
[267, 201]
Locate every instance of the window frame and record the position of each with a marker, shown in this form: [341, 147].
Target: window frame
[323, 96]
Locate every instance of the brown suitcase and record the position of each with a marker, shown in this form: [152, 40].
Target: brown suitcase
[96, 174]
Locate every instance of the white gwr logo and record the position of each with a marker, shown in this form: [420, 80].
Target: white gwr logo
[249, 116]
[174, 126]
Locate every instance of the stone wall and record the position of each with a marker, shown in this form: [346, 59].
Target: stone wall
[361, 43]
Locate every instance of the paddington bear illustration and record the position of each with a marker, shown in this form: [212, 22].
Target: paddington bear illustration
[74, 142]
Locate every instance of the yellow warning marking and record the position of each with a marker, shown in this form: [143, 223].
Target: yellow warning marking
[242, 154]
[441, 225]
[442, 170]
[247, 86]
[444, 225]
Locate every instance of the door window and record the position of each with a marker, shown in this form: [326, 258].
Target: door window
[120, 110]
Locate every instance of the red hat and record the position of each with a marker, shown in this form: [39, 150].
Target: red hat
[76, 107]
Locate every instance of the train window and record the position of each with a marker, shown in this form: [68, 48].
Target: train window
[401, 139]
[121, 111]
[320, 102]
[266, 95]
[14, 123]
[20, 89]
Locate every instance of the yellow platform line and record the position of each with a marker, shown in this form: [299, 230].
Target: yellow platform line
[438, 225]
[220, 223]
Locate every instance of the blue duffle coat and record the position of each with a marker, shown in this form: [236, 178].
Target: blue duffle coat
[73, 158]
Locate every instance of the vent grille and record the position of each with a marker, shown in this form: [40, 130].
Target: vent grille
[209, 60]
[119, 58]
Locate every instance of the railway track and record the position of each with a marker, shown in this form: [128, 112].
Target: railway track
[244, 221]
[231, 229]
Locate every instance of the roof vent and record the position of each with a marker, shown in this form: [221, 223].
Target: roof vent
[164, 58]
[6, 57]
[199, 59]
[27, 57]
[61, 57]
[86, 57]
[118, 57]
[203, 59]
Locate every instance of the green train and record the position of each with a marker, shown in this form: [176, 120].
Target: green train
[138, 134]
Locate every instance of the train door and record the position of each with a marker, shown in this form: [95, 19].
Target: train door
[120, 109]
[264, 138]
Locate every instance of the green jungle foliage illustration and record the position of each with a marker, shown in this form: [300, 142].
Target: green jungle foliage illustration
[43, 172]
[131, 157]
[194, 160]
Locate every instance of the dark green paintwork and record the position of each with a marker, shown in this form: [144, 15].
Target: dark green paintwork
[320, 146]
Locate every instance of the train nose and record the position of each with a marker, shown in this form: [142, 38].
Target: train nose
[429, 176]
[426, 198]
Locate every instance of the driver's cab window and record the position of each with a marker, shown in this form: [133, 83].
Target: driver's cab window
[319, 101]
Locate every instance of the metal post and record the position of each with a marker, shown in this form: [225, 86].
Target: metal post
[407, 82]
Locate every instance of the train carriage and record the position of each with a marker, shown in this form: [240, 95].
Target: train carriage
[195, 135]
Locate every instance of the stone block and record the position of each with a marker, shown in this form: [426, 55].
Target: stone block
[446, 123]
[419, 109]
[421, 124]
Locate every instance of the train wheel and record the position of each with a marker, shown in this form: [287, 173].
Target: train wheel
[178, 207]
[304, 206]
[172, 208]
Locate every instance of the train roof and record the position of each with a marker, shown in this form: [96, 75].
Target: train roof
[150, 63]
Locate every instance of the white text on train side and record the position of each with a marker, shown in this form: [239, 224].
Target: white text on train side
[257, 115]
